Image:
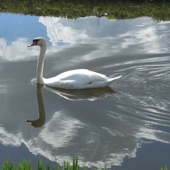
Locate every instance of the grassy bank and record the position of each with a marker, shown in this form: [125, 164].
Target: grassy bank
[81, 8]
[26, 165]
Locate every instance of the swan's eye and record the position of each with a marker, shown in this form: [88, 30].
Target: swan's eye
[35, 42]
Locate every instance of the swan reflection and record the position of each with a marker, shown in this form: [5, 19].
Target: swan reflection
[86, 94]
[73, 95]
[41, 119]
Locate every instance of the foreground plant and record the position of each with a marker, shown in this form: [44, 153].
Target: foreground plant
[26, 165]
[164, 168]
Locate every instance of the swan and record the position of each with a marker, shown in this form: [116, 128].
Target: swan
[73, 79]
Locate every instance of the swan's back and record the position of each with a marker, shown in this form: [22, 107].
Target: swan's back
[82, 75]
[78, 79]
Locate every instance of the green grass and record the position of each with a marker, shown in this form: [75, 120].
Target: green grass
[81, 8]
[26, 165]
[164, 168]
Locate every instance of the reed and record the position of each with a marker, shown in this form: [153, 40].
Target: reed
[164, 168]
[26, 165]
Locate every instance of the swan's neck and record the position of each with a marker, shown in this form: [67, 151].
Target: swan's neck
[40, 64]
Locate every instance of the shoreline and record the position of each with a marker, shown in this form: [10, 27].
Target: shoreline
[75, 9]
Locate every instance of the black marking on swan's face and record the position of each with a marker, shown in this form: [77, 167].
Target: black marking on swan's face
[35, 41]
[38, 41]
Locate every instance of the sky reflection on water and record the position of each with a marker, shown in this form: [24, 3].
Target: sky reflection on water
[100, 129]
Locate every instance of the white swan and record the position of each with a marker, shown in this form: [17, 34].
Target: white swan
[74, 79]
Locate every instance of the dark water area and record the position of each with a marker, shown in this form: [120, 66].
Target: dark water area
[126, 126]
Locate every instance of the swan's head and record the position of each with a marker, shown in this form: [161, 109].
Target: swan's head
[40, 41]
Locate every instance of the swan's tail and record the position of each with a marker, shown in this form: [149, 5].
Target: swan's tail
[110, 80]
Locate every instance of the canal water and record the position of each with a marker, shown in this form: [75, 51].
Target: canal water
[126, 126]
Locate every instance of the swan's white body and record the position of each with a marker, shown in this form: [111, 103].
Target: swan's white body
[74, 79]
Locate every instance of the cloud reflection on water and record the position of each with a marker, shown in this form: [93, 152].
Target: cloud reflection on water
[109, 36]
[102, 131]
[142, 31]
[64, 136]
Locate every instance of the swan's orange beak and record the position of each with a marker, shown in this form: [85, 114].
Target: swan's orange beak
[33, 44]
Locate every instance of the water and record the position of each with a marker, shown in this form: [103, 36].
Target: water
[125, 127]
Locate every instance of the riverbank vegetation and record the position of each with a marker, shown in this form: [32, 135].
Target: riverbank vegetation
[26, 165]
[113, 9]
